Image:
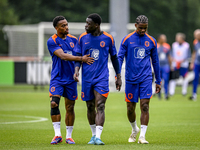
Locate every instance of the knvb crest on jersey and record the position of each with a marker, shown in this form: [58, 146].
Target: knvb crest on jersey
[69, 52]
[94, 53]
[162, 56]
[139, 52]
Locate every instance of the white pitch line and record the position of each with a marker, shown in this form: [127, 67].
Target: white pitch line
[38, 119]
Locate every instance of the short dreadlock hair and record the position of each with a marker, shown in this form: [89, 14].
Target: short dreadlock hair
[141, 19]
[95, 17]
[57, 19]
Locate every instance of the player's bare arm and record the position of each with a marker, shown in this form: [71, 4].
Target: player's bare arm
[76, 74]
[115, 63]
[64, 56]
[192, 60]
[118, 82]
[170, 63]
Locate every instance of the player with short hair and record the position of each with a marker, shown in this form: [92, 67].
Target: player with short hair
[195, 63]
[180, 55]
[137, 48]
[165, 62]
[61, 49]
[95, 78]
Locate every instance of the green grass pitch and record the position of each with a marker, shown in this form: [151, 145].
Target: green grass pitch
[174, 124]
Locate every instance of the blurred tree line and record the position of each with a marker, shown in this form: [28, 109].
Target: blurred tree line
[165, 16]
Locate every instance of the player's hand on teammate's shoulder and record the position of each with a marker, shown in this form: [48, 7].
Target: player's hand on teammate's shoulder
[118, 82]
[87, 59]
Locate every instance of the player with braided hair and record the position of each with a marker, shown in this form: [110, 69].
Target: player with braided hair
[138, 48]
[141, 19]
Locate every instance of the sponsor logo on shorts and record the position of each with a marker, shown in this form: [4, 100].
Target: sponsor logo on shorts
[146, 43]
[102, 44]
[130, 95]
[53, 89]
[87, 42]
[74, 96]
[132, 42]
[148, 94]
[71, 44]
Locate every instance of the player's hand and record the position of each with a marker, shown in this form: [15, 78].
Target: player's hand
[171, 68]
[76, 75]
[118, 82]
[192, 66]
[87, 59]
[158, 88]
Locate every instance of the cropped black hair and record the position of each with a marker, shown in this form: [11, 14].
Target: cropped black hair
[141, 19]
[95, 17]
[57, 19]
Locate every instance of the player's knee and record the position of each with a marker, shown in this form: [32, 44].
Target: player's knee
[55, 105]
[145, 107]
[100, 107]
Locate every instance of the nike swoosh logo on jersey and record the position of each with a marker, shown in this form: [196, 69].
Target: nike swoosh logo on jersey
[87, 42]
[132, 42]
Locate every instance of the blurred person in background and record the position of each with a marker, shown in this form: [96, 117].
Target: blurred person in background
[195, 63]
[165, 59]
[180, 62]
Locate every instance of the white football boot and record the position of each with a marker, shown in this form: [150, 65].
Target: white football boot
[133, 135]
[142, 140]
